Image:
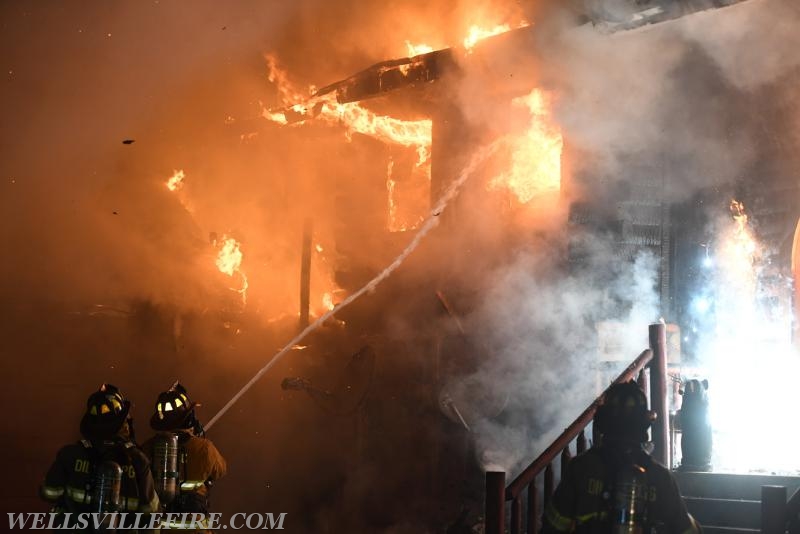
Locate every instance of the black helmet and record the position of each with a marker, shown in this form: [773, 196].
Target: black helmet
[624, 416]
[106, 412]
[173, 410]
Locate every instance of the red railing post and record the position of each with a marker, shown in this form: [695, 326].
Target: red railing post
[658, 392]
[549, 483]
[644, 383]
[495, 502]
[573, 430]
[566, 456]
[533, 509]
[580, 444]
[516, 516]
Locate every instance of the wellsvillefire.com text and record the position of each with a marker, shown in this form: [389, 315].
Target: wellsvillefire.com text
[136, 521]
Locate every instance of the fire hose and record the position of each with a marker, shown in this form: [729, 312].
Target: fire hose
[429, 224]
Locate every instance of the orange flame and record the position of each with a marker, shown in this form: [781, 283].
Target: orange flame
[417, 49]
[358, 119]
[739, 252]
[229, 261]
[323, 285]
[327, 301]
[536, 155]
[408, 200]
[354, 117]
[476, 34]
[175, 182]
[390, 188]
[230, 256]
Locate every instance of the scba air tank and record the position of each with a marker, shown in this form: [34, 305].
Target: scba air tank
[630, 501]
[165, 467]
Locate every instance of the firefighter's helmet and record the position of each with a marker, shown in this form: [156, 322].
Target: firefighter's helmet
[624, 414]
[174, 410]
[106, 412]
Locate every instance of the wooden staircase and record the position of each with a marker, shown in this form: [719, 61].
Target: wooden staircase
[722, 503]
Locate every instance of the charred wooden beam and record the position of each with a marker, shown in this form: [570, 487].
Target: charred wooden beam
[391, 75]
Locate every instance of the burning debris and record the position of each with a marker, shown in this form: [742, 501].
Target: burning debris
[354, 117]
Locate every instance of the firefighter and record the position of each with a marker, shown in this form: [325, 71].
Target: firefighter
[181, 448]
[104, 471]
[616, 486]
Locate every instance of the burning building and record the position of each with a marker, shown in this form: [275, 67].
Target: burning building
[577, 163]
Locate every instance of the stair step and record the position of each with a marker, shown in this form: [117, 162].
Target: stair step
[711, 529]
[731, 486]
[729, 513]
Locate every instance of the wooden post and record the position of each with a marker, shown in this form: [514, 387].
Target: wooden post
[580, 444]
[658, 392]
[549, 484]
[495, 502]
[644, 382]
[773, 509]
[516, 516]
[566, 456]
[305, 273]
[533, 509]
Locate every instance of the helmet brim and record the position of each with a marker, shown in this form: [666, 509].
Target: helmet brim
[172, 420]
[94, 427]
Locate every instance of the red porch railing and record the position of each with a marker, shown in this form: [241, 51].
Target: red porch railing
[497, 494]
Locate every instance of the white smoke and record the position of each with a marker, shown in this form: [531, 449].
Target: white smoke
[673, 96]
[540, 321]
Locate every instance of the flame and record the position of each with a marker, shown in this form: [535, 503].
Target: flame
[409, 199]
[175, 182]
[390, 188]
[748, 338]
[417, 49]
[229, 261]
[476, 34]
[323, 284]
[352, 116]
[740, 250]
[230, 256]
[536, 156]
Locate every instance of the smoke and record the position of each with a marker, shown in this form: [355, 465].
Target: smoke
[677, 104]
[429, 224]
[752, 44]
[541, 325]
[671, 94]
